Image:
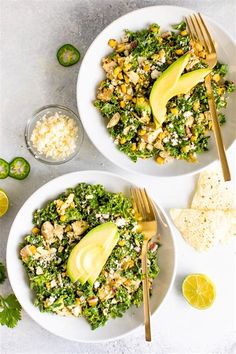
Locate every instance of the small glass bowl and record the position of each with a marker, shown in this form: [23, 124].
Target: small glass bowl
[48, 111]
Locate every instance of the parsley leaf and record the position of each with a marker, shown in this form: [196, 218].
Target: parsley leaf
[10, 311]
[2, 273]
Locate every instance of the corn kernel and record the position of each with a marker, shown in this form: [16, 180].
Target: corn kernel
[146, 67]
[117, 70]
[202, 54]
[68, 228]
[48, 285]
[156, 57]
[133, 147]
[92, 301]
[32, 249]
[120, 47]
[35, 230]
[77, 301]
[184, 33]
[141, 132]
[154, 28]
[193, 157]
[123, 88]
[128, 264]
[122, 141]
[112, 43]
[63, 218]
[220, 90]
[179, 51]
[161, 136]
[122, 243]
[174, 111]
[193, 138]
[122, 104]
[120, 61]
[160, 40]
[216, 77]
[134, 100]
[185, 149]
[198, 46]
[126, 79]
[120, 76]
[128, 97]
[127, 67]
[196, 105]
[160, 160]
[140, 100]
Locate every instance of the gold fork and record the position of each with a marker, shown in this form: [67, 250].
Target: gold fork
[199, 33]
[147, 223]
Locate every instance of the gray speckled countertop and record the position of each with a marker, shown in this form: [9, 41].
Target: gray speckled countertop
[31, 31]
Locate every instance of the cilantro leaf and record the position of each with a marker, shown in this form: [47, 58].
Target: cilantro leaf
[10, 311]
[2, 273]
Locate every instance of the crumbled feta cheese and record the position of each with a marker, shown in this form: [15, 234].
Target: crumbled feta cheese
[96, 284]
[55, 136]
[120, 222]
[154, 74]
[39, 271]
[48, 302]
[187, 114]
[137, 249]
[171, 125]
[105, 312]
[90, 196]
[166, 140]
[174, 142]
[76, 310]
[53, 283]
[105, 216]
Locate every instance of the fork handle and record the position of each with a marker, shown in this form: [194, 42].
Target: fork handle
[146, 302]
[217, 130]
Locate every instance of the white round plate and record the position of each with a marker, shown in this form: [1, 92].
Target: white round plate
[91, 73]
[77, 329]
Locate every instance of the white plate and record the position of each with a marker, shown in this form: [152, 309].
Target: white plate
[91, 73]
[77, 329]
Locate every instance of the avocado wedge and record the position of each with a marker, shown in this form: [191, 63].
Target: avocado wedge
[187, 81]
[89, 256]
[170, 84]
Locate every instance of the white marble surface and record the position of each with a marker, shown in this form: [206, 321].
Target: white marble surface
[31, 31]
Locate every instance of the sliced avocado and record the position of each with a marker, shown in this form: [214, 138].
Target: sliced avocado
[170, 84]
[187, 81]
[163, 84]
[97, 270]
[92, 252]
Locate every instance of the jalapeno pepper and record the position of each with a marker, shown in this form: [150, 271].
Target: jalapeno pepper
[4, 169]
[68, 55]
[19, 168]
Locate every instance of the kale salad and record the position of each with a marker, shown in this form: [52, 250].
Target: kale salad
[58, 227]
[131, 69]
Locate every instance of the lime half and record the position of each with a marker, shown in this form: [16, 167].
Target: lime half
[199, 291]
[4, 203]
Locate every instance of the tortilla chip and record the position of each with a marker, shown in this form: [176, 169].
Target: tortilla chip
[203, 229]
[213, 192]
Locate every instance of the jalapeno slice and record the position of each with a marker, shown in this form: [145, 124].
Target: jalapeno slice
[68, 55]
[4, 169]
[19, 168]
